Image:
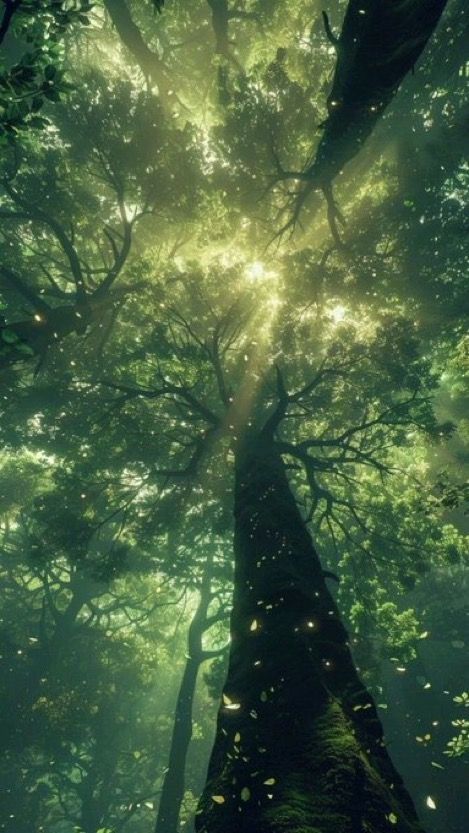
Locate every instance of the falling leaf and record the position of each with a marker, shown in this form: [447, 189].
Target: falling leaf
[237, 737]
[218, 799]
[254, 625]
[392, 818]
[228, 703]
[264, 696]
[269, 781]
[430, 802]
[245, 794]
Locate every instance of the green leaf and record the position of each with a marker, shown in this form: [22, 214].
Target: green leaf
[9, 337]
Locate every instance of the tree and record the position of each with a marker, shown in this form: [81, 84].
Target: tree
[172, 791]
[306, 375]
[77, 261]
[281, 594]
[377, 47]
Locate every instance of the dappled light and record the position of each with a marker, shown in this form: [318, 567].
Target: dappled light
[234, 365]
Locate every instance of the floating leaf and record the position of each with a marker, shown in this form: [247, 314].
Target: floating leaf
[430, 802]
[254, 625]
[218, 799]
[228, 703]
[392, 818]
[269, 781]
[245, 794]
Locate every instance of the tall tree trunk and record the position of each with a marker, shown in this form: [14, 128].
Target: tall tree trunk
[173, 787]
[299, 746]
[172, 793]
[378, 45]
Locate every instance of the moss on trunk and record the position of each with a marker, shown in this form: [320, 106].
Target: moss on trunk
[299, 747]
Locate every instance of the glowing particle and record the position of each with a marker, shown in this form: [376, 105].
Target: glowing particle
[228, 703]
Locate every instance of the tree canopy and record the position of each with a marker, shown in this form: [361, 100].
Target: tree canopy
[229, 227]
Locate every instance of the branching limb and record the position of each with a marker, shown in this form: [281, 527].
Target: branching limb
[331, 37]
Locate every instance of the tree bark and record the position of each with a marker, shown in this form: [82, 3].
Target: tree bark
[378, 46]
[299, 746]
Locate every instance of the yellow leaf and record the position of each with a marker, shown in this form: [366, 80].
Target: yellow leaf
[228, 703]
[269, 781]
[430, 802]
[218, 799]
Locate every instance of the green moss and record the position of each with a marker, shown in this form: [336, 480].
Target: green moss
[338, 792]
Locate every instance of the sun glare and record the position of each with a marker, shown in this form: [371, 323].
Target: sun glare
[255, 271]
[338, 314]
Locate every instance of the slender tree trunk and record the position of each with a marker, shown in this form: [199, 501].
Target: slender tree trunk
[173, 786]
[299, 746]
[172, 793]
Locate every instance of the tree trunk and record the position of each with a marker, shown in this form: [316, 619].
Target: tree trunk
[147, 59]
[378, 45]
[299, 746]
[172, 793]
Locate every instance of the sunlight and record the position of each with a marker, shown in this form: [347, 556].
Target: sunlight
[256, 271]
[338, 313]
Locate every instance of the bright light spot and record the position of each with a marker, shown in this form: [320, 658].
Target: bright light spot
[274, 302]
[338, 314]
[255, 271]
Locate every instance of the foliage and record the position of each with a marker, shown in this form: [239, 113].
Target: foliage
[152, 318]
[32, 65]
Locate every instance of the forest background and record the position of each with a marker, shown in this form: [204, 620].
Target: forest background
[170, 275]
